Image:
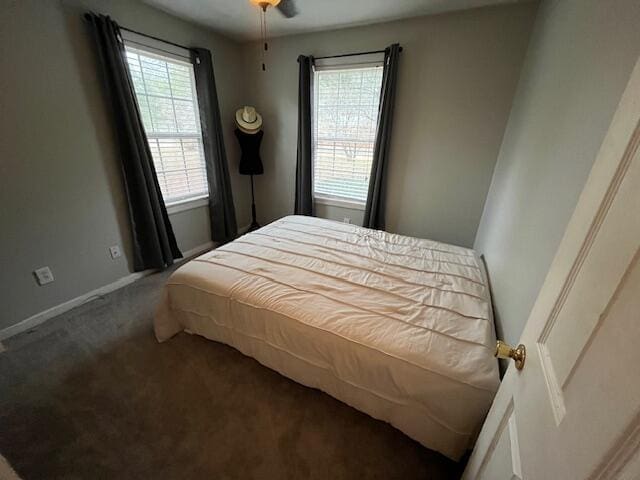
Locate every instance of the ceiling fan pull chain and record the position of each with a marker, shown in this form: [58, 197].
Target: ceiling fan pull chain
[286, 7]
[266, 33]
[263, 31]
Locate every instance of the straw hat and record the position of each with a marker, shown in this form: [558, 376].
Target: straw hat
[248, 120]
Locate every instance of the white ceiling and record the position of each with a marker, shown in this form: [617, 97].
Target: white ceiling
[239, 19]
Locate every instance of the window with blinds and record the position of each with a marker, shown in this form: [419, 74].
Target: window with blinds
[166, 94]
[345, 119]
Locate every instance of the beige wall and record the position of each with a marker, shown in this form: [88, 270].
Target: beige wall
[355, 216]
[61, 196]
[458, 74]
[580, 58]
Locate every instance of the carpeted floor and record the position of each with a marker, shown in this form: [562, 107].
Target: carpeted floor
[92, 395]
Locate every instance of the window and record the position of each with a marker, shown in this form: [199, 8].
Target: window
[345, 120]
[166, 94]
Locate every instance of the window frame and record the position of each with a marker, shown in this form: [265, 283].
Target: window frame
[162, 51]
[334, 64]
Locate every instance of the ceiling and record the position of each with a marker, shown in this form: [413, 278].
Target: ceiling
[239, 19]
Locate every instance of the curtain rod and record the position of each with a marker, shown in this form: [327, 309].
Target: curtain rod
[88, 17]
[351, 54]
[155, 38]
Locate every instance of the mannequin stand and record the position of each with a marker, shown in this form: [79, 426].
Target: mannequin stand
[254, 223]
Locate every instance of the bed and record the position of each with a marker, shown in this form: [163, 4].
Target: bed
[397, 327]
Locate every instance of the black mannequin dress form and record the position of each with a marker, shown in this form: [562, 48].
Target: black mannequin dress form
[250, 163]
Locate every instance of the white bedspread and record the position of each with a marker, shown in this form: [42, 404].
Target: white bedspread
[397, 327]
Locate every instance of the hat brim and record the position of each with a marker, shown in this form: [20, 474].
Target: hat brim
[247, 127]
[250, 132]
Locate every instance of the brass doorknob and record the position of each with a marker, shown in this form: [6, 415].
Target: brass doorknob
[519, 354]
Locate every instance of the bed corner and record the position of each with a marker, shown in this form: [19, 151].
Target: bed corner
[164, 323]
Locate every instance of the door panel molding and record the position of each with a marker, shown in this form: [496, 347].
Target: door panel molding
[602, 318]
[554, 392]
[555, 386]
[626, 449]
[594, 229]
[516, 464]
[505, 437]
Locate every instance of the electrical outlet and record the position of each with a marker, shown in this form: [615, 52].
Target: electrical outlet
[115, 252]
[43, 275]
[346, 220]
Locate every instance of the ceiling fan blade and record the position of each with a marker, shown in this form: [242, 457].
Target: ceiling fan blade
[288, 8]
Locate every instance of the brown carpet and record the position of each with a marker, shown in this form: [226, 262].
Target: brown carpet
[91, 394]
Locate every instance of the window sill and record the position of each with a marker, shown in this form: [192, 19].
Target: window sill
[188, 204]
[338, 202]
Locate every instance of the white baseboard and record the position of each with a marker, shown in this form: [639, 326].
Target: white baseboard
[40, 318]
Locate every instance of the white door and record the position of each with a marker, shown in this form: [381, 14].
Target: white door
[573, 411]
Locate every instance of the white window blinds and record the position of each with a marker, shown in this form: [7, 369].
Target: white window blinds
[166, 94]
[345, 119]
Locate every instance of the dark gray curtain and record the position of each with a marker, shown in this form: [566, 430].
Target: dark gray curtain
[376, 197]
[304, 169]
[154, 244]
[221, 209]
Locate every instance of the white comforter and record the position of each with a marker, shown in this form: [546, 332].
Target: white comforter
[397, 327]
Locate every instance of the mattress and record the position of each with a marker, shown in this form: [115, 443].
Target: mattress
[397, 327]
